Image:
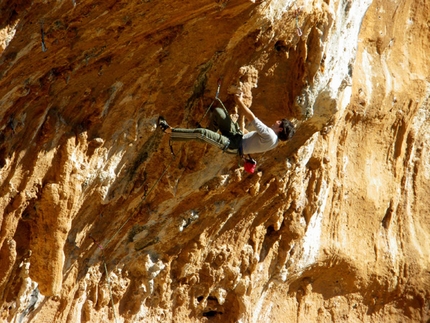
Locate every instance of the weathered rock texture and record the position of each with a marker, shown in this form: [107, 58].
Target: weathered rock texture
[99, 223]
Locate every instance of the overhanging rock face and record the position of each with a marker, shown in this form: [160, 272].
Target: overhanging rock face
[100, 222]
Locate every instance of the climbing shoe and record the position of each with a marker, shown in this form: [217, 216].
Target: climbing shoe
[162, 124]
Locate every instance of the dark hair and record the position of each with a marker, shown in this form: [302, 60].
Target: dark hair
[288, 130]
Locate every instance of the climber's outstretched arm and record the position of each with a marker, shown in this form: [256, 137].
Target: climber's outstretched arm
[245, 110]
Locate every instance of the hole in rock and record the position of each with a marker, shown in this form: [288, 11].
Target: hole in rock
[281, 46]
[270, 231]
[211, 313]
[200, 298]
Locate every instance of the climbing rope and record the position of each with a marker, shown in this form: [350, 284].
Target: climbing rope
[215, 99]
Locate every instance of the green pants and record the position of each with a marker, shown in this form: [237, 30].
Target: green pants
[230, 138]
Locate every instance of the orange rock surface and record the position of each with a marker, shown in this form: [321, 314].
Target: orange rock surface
[99, 222]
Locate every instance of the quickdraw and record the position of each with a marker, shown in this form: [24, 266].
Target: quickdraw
[42, 32]
[297, 12]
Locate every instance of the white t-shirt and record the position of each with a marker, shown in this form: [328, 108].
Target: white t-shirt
[260, 140]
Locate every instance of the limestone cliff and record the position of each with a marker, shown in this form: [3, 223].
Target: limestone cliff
[100, 222]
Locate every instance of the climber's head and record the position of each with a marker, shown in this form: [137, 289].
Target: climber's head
[284, 129]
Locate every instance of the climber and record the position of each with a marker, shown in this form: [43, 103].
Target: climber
[231, 139]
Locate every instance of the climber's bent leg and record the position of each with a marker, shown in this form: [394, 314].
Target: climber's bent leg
[200, 134]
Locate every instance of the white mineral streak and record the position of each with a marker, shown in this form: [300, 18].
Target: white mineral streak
[339, 47]
[311, 240]
[6, 35]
